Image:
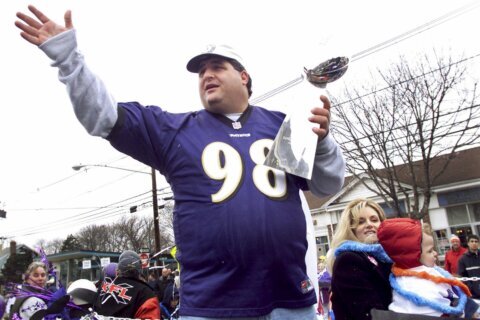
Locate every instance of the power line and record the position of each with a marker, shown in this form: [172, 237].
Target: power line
[111, 182]
[89, 208]
[383, 45]
[428, 119]
[409, 79]
[101, 213]
[275, 91]
[413, 124]
[415, 31]
[366, 152]
[108, 183]
[402, 82]
[452, 133]
[356, 141]
[56, 182]
[52, 209]
[399, 138]
[71, 176]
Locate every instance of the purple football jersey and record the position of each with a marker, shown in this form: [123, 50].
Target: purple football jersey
[239, 226]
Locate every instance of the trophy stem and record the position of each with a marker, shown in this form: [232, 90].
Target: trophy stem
[293, 149]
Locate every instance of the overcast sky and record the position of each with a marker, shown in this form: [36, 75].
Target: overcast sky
[140, 50]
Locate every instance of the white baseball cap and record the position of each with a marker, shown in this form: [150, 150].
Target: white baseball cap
[221, 50]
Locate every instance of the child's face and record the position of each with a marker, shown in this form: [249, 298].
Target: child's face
[429, 255]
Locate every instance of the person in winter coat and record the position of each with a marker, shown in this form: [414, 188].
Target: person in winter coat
[358, 265]
[170, 301]
[32, 299]
[419, 286]
[165, 280]
[453, 255]
[469, 265]
[324, 284]
[35, 282]
[127, 296]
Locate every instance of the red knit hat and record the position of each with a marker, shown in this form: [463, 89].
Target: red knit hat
[401, 238]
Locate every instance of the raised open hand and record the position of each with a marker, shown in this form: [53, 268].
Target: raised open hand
[38, 31]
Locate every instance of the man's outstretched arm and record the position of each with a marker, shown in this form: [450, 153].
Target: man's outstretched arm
[94, 107]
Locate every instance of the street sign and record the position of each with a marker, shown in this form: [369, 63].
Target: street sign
[144, 257]
[104, 261]
[144, 250]
[86, 264]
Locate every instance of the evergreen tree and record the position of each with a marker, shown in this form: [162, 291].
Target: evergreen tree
[70, 244]
[16, 265]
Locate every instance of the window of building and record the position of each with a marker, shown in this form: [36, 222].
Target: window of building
[475, 210]
[322, 245]
[462, 232]
[464, 220]
[390, 212]
[443, 244]
[457, 215]
[471, 195]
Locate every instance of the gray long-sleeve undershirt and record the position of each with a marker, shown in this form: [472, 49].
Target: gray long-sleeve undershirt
[93, 105]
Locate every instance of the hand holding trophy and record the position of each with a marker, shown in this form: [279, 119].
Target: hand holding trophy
[293, 149]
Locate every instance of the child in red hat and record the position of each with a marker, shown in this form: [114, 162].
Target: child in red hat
[419, 286]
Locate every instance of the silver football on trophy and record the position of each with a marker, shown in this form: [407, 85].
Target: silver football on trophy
[327, 71]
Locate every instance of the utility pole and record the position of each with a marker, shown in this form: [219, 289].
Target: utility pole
[155, 211]
[3, 214]
[2, 239]
[134, 208]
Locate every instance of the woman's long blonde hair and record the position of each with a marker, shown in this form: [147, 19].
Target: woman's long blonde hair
[348, 222]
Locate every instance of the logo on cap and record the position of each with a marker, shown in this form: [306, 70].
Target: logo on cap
[210, 48]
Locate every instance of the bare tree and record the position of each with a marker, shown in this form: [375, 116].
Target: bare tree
[130, 232]
[132, 229]
[51, 246]
[396, 133]
[93, 237]
[166, 225]
[42, 243]
[149, 233]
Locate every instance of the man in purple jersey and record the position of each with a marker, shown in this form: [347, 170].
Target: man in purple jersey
[240, 227]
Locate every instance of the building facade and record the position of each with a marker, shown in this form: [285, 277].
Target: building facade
[454, 207]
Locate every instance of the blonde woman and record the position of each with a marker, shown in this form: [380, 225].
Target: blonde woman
[360, 267]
